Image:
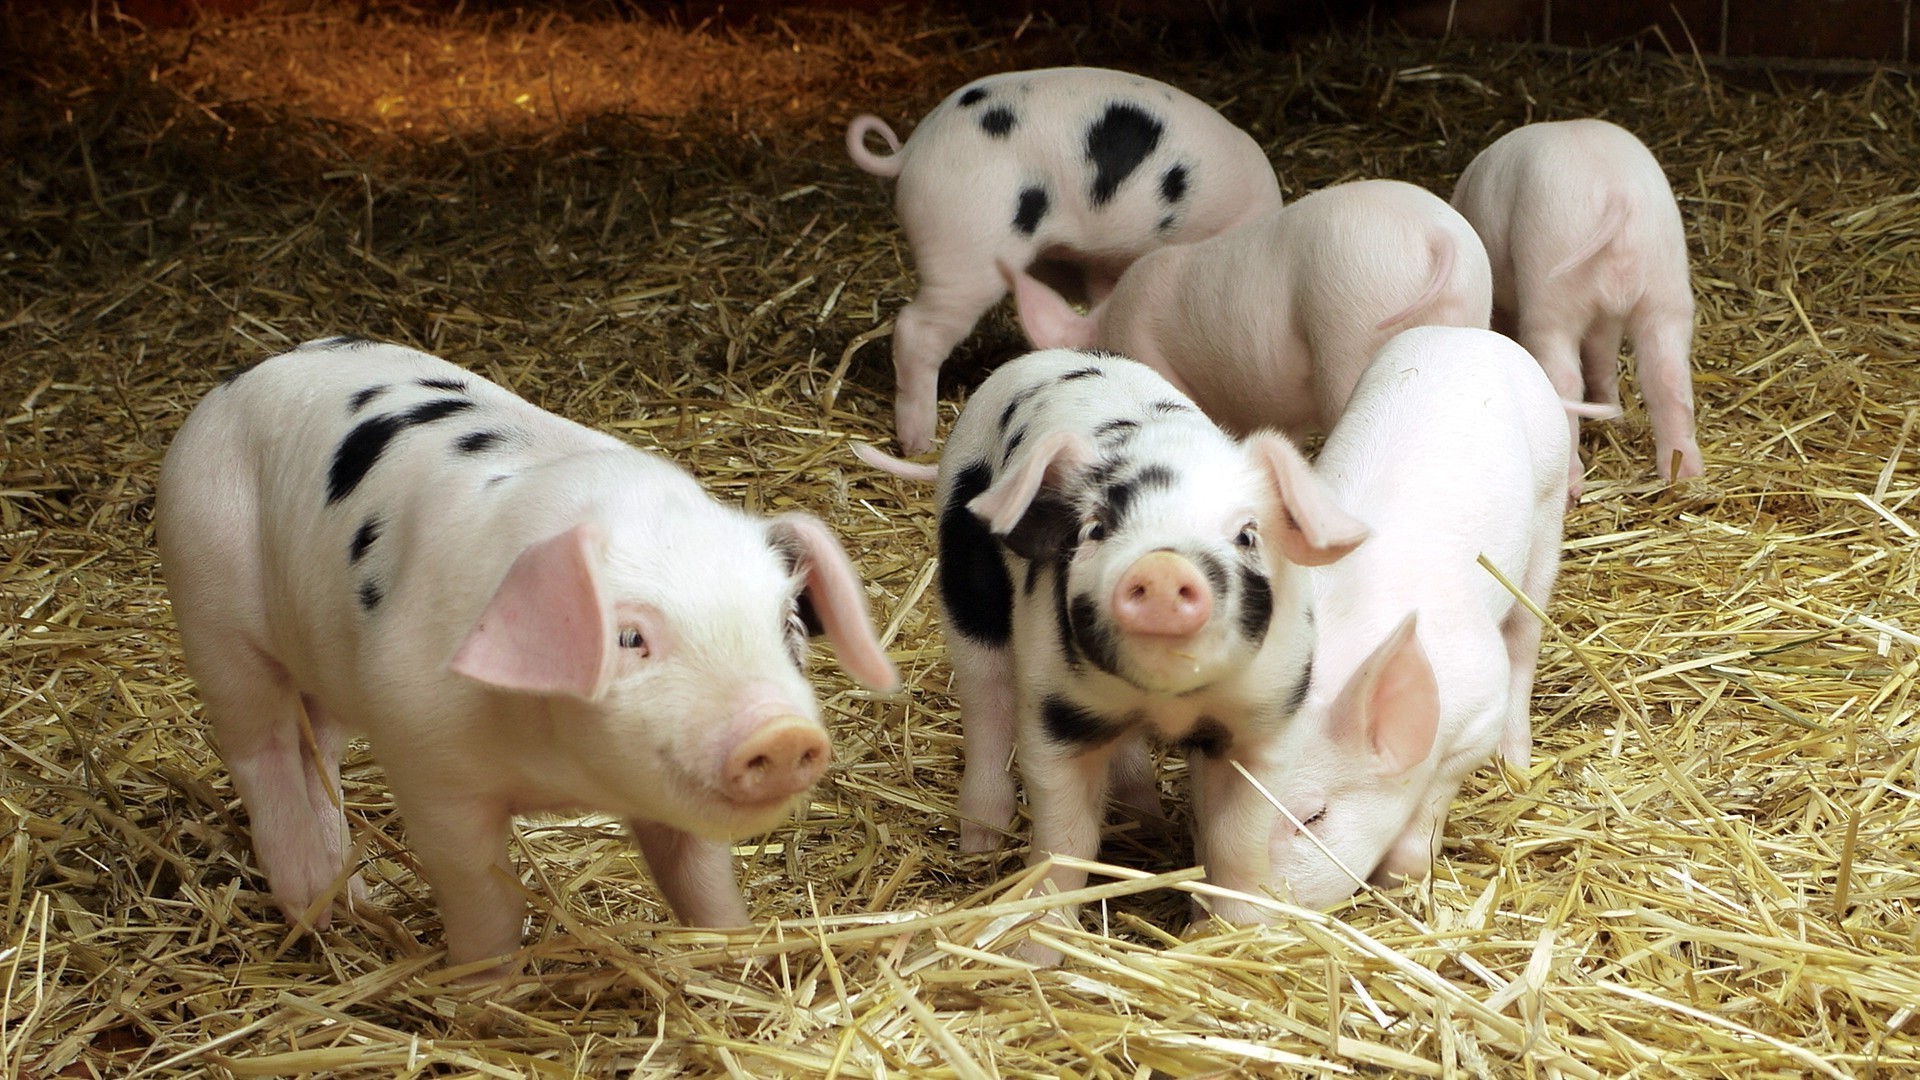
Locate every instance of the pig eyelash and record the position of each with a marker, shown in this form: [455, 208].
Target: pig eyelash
[630, 639]
[1248, 537]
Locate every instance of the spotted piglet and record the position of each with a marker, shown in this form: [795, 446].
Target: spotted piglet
[1113, 566]
[1587, 248]
[1453, 447]
[1271, 323]
[519, 613]
[1081, 169]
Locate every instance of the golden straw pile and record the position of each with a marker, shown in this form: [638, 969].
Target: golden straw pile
[1712, 867]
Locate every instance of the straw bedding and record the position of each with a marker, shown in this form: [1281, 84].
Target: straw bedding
[1709, 869]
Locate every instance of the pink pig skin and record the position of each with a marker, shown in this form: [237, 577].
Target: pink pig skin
[1270, 324]
[1587, 247]
[1452, 447]
[1008, 169]
[510, 606]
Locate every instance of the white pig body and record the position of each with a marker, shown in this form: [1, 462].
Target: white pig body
[504, 602]
[1453, 447]
[1082, 168]
[1271, 323]
[1587, 247]
[1114, 566]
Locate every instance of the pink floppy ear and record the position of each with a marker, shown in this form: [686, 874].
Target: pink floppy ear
[548, 629]
[1389, 710]
[1045, 316]
[1314, 530]
[833, 588]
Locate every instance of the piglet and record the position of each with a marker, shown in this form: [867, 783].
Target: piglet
[520, 613]
[1587, 247]
[1271, 323]
[1453, 446]
[1113, 566]
[1082, 169]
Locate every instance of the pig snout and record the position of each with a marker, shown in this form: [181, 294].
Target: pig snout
[1164, 595]
[779, 759]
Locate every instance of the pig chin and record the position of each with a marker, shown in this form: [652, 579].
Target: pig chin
[1171, 665]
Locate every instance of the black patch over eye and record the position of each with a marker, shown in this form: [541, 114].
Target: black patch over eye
[1256, 605]
[630, 639]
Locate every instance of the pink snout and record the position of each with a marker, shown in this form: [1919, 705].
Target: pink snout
[780, 759]
[1164, 595]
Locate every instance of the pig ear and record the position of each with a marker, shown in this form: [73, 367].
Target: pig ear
[1017, 494]
[837, 603]
[1390, 708]
[548, 628]
[1314, 530]
[1045, 316]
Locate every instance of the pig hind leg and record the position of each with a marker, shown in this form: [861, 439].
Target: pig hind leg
[953, 295]
[289, 786]
[1600, 361]
[694, 874]
[1662, 338]
[1558, 353]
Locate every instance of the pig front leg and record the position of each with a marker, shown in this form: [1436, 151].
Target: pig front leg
[695, 875]
[1232, 823]
[460, 843]
[1662, 339]
[954, 293]
[290, 788]
[983, 681]
[1134, 785]
[1066, 796]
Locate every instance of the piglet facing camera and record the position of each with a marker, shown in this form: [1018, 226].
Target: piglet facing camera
[1113, 566]
[1083, 169]
[1587, 247]
[521, 614]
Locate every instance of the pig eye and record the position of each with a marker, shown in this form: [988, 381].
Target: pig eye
[1318, 816]
[1092, 531]
[1248, 537]
[630, 639]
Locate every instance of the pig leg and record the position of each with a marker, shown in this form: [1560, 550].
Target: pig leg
[983, 681]
[1232, 823]
[460, 843]
[1559, 355]
[1600, 361]
[694, 874]
[952, 297]
[1520, 630]
[288, 787]
[1066, 794]
[1134, 784]
[1662, 337]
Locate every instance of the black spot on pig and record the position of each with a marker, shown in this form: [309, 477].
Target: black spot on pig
[1207, 736]
[1013, 443]
[1166, 223]
[1089, 634]
[457, 386]
[370, 595]
[1297, 696]
[1116, 145]
[973, 96]
[973, 581]
[1069, 723]
[1013, 406]
[1032, 209]
[363, 446]
[1171, 407]
[1256, 605]
[1119, 496]
[474, 442]
[1083, 373]
[1173, 184]
[363, 538]
[233, 376]
[1117, 430]
[362, 398]
[998, 122]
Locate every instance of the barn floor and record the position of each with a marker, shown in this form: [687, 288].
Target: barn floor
[1712, 866]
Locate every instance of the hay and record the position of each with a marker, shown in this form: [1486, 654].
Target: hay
[1709, 868]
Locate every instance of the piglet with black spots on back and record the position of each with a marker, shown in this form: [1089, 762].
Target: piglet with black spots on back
[1081, 170]
[1114, 566]
[521, 614]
